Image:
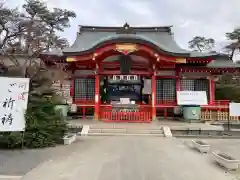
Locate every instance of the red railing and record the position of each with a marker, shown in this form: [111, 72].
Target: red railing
[217, 105]
[83, 105]
[221, 102]
[166, 103]
[83, 101]
[143, 114]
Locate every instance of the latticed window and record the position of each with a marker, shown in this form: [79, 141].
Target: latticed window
[187, 84]
[195, 85]
[84, 88]
[202, 85]
[165, 90]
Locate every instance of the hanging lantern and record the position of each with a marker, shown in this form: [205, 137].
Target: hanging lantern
[215, 78]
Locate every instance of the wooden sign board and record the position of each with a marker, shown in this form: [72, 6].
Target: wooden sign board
[71, 59]
[126, 48]
[192, 98]
[14, 97]
[181, 60]
[234, 109]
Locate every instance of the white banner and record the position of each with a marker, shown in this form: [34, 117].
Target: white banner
[13, 99]
[234, 109]
[147, 88]
[192, 98]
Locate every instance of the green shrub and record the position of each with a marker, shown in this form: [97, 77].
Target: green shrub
[228, 93]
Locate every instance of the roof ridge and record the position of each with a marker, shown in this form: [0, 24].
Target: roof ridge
[87, 28]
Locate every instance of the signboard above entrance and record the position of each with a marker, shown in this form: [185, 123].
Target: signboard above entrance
[124, 77]
[129, 79]
[126, 48]
[181, 60]
[192, 98]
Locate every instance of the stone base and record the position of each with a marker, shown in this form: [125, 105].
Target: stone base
[228, 163]
[69, 139]
[203, 148]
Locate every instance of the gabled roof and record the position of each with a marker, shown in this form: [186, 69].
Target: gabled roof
[90, 41]
[159, 38]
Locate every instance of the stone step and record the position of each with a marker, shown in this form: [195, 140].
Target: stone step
[151, 131]
[124, 134]
[119, 126]
[107, 130]
[126, 131]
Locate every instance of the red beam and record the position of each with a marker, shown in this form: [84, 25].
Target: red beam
[199, 60]
[117, 72]
[166, 77]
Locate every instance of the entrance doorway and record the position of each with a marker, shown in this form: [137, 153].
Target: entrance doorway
[113, 88]
[122, 99]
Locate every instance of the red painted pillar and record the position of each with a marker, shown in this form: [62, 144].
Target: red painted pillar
[72, 89]
[211, 90]
[154, 96]
[97, 98]
[178, 83]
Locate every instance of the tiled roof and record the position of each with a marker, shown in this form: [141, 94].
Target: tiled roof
[159, 38]
[223, 64]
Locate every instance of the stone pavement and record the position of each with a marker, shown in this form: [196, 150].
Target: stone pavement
[16, 163]
[228, 146]
[19, 162]
[130, 158]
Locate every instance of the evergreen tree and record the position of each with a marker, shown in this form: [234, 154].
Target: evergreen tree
[201, 44]
[234, 45]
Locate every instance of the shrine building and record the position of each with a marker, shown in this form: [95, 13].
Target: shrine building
[133, 74]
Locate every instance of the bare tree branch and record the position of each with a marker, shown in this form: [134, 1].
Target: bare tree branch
[32, 32]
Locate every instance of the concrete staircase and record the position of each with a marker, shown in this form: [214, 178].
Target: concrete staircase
[125, 131]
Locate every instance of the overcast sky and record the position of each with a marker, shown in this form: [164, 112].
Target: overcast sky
[209, 18]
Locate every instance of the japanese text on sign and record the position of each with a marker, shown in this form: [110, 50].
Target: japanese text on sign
[13, 103]
[192, 98]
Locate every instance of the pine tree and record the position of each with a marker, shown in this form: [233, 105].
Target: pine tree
[45, 125]
[201, 44]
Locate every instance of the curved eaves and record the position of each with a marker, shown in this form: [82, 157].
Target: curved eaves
[123, 39]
